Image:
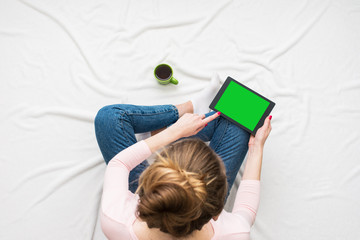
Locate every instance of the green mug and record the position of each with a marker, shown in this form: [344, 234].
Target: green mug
[164, 74]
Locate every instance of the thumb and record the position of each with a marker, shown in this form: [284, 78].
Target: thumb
[267, 122]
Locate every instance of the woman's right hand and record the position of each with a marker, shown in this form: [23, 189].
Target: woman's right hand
[261, 134]
[190, 124]
[187, 125]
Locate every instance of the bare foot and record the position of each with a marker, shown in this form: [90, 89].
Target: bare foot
[186, 107]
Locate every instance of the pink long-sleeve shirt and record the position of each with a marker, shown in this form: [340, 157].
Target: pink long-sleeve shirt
[118, 204]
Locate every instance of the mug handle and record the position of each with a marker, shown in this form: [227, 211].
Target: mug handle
[174, 81]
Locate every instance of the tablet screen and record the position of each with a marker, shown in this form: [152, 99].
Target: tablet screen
[242, 105]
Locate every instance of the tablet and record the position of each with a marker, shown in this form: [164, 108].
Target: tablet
[242, 105]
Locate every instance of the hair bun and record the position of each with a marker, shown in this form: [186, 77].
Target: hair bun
[174, 195]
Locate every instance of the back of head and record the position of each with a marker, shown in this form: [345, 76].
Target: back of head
[183, 189]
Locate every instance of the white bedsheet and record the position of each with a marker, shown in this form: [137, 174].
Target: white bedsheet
[60, 61]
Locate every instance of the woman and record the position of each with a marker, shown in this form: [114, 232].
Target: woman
[182, 194]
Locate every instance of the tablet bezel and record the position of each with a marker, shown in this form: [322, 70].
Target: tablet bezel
[262, 119]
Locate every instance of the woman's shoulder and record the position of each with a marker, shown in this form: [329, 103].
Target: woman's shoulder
[116, 220]
[114, 229]
[230, 225]
[122, 212]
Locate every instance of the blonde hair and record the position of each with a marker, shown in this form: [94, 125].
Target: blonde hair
[183, 189]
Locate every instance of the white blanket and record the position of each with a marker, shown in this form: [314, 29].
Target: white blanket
[61, 61]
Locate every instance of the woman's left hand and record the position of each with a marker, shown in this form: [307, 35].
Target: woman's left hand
[190, 124]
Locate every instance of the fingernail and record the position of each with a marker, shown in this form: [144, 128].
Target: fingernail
[219, 113]
[270, 117]
[205, 125]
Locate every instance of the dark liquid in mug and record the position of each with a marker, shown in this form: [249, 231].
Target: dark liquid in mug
[163, 72]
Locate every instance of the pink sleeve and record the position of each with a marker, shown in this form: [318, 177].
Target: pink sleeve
[247, 200]
[117, 201]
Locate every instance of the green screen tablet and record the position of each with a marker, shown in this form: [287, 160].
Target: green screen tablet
[241, 105]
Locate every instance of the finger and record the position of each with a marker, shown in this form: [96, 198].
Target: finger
[199, 129]
[202, 116]
[266, 123]
[210, 118]
[269, 128]
[269, 121]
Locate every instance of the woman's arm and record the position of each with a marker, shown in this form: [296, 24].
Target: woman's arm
[253, 163]
[255, 153]
[162, 139]
[188, 125]
[248, 195]
[115, 190]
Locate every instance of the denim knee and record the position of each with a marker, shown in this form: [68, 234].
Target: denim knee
[101, 116]
[107, 112]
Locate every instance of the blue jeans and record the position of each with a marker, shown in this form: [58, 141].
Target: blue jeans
[116, 125]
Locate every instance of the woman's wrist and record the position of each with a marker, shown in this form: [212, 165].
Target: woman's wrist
[161, 139]
[253, 162]
[174, 133]
[256, 147]
[255, 152]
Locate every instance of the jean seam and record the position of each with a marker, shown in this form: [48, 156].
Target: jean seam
[176, 112]
[122, 127]
[147, 114]
[154, 113]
